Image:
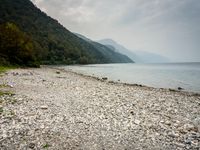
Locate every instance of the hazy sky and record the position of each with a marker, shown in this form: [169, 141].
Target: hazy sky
[167, 27]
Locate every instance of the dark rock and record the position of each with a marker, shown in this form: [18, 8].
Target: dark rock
[188, 141]
[132, 113]
[194, 129]
[31, 145]
[104, 78]
[172, 90]
[58, 72]
[180, 88]
[15, 73]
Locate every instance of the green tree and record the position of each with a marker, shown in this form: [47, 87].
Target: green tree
[15, 46]
[83, 60]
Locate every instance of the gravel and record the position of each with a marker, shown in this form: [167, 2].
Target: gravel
[55, 109]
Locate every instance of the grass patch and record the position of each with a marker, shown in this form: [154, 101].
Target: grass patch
[1, 93]
[172, 90]
[3, 86]
[6, 93]
[1, 110]
[5, 68]
[46, 146]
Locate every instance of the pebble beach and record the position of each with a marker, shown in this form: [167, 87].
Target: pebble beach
[49, 108]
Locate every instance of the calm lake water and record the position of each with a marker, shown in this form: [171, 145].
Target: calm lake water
[169, 75]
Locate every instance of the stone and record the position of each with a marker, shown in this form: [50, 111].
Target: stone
[190, 127]
[132, 112]
[11, 85]
[182, 131]
[42, 126]
[104, 78]
[173, 134]
[188, 141]
[31, 145]
[180, 88]
[180, 145]
[137, 121]
[168, 123]
[194, 142]
[195, 129]
[15, 73]
[44, 107]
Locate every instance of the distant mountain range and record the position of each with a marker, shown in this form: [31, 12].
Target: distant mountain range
[137, 56]
[108, 50]
[148, 57]
[50, 42]
[119, 48]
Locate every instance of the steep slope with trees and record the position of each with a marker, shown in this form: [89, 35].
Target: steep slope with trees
[15, 46]
[52, 43]
[107, 51]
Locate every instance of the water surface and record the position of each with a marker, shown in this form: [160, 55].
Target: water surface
[169, 75]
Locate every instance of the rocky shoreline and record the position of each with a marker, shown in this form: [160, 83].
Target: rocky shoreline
[103, 79]
[47, 108]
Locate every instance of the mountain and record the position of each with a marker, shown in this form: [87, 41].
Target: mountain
[148, 57]
[52, 43]
[119, 48]
[137, 56]
[82, 37]
[108, 51]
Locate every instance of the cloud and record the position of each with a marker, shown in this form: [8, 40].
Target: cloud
[168, 27]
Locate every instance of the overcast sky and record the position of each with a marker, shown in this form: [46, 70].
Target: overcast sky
[167, 27]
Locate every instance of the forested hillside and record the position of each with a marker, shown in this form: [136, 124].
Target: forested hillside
[108, 51]
[15, 46]
[49, 42]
